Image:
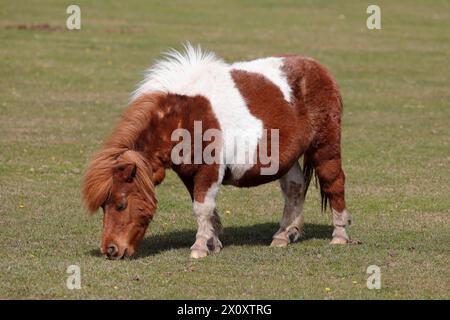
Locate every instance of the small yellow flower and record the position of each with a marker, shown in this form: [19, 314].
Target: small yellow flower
[354, 282]
[327, 290]
[116, 287]
[21, 206]
[227, 211]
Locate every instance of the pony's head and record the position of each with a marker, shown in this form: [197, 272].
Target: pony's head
[120, 182]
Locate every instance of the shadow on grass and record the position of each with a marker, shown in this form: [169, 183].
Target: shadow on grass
[258, 234]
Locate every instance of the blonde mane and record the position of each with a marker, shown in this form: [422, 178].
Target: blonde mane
[120, 149]
[178, 70]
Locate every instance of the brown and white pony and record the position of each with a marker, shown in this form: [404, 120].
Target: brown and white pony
[291, 95]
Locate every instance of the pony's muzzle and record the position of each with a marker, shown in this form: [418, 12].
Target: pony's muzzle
[112, 251]
[115, 251]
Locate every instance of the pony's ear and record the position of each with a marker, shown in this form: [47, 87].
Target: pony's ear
[125, 172]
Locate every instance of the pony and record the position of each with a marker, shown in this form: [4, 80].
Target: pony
[292, 98]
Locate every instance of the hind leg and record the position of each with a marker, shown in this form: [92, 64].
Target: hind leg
[291, 226]
[327, 163]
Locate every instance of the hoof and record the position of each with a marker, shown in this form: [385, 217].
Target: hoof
[198, 254]
[216, 249]
[339, 240]
[279, 243]
[215, 246]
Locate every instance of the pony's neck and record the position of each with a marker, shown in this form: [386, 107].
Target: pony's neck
[147, 127]
[155, 142]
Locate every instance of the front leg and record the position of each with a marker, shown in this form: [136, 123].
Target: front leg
[209, 226]
[207, 238]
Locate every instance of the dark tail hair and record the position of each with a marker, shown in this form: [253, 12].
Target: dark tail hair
[308, 173]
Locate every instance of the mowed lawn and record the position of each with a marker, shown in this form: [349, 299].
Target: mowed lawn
[62, 91]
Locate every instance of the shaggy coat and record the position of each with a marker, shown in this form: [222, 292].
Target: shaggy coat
[291, 94]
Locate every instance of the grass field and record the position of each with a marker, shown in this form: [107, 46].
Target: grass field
[61, 92]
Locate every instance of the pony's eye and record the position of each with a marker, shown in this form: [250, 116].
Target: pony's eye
[121, 207]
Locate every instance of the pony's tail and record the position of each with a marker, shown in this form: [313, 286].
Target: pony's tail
[308, 173]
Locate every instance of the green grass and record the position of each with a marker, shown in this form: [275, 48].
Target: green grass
[62, 91]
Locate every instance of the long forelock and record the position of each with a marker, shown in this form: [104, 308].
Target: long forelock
[143, 178]
[98, 181]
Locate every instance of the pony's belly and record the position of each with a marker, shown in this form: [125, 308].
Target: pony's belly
[252, 177]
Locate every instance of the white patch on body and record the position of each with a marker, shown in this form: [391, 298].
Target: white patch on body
[195, 72]
[271, 68]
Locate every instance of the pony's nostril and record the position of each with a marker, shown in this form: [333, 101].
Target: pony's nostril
[112, 250]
